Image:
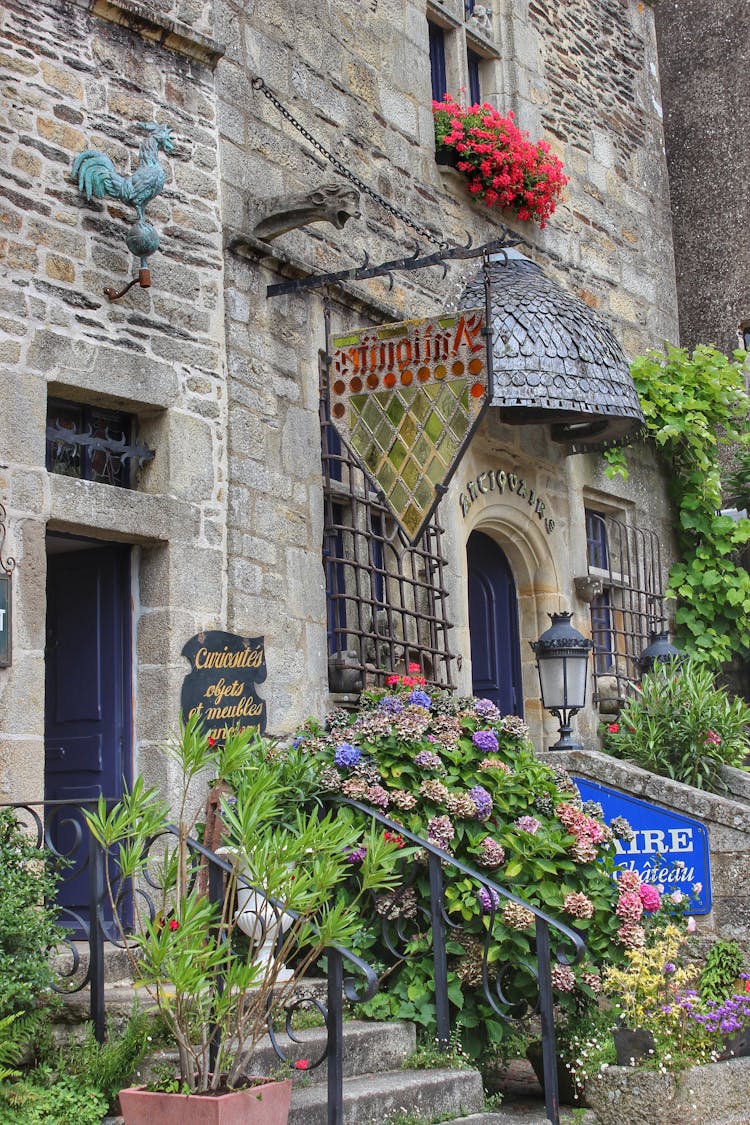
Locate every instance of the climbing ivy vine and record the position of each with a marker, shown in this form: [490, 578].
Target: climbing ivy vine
[691, 404]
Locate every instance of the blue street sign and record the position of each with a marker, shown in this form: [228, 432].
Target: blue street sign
[669, 850]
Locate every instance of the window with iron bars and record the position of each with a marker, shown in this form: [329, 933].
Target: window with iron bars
[386, 599]
[92, 443]
[627, 561]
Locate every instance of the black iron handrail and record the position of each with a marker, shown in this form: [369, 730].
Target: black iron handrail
[436, 859]
[97, 933]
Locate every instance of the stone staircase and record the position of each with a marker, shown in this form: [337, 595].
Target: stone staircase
[378, 1089]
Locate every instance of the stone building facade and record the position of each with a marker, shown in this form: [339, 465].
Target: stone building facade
[709, 164]
[238, 524]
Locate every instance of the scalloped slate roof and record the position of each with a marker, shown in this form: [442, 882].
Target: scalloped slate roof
[555, 360]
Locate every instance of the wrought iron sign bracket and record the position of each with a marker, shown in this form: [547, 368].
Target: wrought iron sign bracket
[416, 261]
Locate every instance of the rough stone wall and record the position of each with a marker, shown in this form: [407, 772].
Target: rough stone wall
[704, 56]
[70, 80]
[357, 77]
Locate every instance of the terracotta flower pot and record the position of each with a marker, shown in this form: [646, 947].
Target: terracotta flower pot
[266, 1104]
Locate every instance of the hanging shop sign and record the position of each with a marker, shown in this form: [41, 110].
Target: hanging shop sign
[668, 850]
[221, 686]
[407, 398]
[6, 630]
[498, 480]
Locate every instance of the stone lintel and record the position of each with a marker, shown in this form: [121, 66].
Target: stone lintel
[171, 34]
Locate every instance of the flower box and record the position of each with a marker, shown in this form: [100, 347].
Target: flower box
[716, 1092]
[264, 1104]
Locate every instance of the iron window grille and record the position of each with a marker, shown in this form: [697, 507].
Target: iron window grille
[91, 443]
[386, 599]
[627, 560]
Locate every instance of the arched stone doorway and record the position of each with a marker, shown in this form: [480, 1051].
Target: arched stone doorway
[493, 625]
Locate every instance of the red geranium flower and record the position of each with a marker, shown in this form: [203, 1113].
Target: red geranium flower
[174, 925]
[394, 838]
[302, 1064]
[613, 728]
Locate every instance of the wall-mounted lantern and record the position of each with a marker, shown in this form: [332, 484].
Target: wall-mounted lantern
[562, 660]
[658, 651]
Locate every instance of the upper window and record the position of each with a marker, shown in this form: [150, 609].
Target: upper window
[91, 443]
[437, 62]
[462, 49]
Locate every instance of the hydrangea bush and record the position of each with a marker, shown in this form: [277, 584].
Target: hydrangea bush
[460, 774]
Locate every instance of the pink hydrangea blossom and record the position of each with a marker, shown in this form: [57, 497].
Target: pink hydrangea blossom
[629, 907]
[650, 898]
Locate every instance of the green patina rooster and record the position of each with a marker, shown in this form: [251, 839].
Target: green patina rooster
[96, 177]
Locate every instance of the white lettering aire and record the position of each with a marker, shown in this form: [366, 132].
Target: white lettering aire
[654, 841]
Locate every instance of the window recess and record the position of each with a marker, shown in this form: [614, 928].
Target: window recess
[627, 561]
[91, 443]
[386, 600]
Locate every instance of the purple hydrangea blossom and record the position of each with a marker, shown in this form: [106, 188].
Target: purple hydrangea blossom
[428, 760]
[488, 899]
[486, 741]
[420, 699]
[486, 708]
[482, 801]
[347, 756]
[391, 705]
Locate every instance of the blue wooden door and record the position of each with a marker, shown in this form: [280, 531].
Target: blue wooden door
[493, 623]
[87, 698]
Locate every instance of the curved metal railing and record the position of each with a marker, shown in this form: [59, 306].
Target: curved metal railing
[440, 922]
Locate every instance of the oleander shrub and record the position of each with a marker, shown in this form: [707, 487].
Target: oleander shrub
[682, 724]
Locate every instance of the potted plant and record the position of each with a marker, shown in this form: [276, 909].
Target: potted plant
[214, 994]
[503, 167]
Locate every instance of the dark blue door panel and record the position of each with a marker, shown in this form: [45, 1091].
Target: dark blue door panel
[87, 705]
[493, 623]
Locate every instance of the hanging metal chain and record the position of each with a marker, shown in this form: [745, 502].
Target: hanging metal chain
[258, 84]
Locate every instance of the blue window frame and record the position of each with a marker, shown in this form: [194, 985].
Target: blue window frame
[597, 546]
[437, 62]
[473, 62]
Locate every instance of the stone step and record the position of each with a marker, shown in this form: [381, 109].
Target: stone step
[375, 1098]
[366, 1045]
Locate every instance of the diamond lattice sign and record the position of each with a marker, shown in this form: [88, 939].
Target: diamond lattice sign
[406, 398]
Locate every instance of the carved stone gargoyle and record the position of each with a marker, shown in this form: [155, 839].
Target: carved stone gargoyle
[330, 203]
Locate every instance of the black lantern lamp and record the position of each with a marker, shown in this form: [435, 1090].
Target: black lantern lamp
[562, 659]
[658, 651]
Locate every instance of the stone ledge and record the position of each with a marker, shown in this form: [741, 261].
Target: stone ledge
[124, 515]
[648, 786]
[292, 267]
[171, 34]
[715, 1094]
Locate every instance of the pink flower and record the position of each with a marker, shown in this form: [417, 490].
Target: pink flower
[628, 881]
[528, 824]
[613, 728]
[629, 907]
[301, 1064]
[691, 925]
[650, 898]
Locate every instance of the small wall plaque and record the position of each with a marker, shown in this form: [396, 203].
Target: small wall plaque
[220, 688]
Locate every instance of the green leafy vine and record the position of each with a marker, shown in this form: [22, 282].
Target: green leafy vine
[691, 405]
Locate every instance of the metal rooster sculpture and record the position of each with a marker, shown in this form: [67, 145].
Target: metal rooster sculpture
[96, 177]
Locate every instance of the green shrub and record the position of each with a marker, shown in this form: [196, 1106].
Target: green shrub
[724, 963]
[682, 725]
[458, 773]
[28, 930]
[48, 1099]
[111, 1066]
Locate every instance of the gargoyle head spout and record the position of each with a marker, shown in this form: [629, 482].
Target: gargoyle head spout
[338, 204]
[162, 134]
